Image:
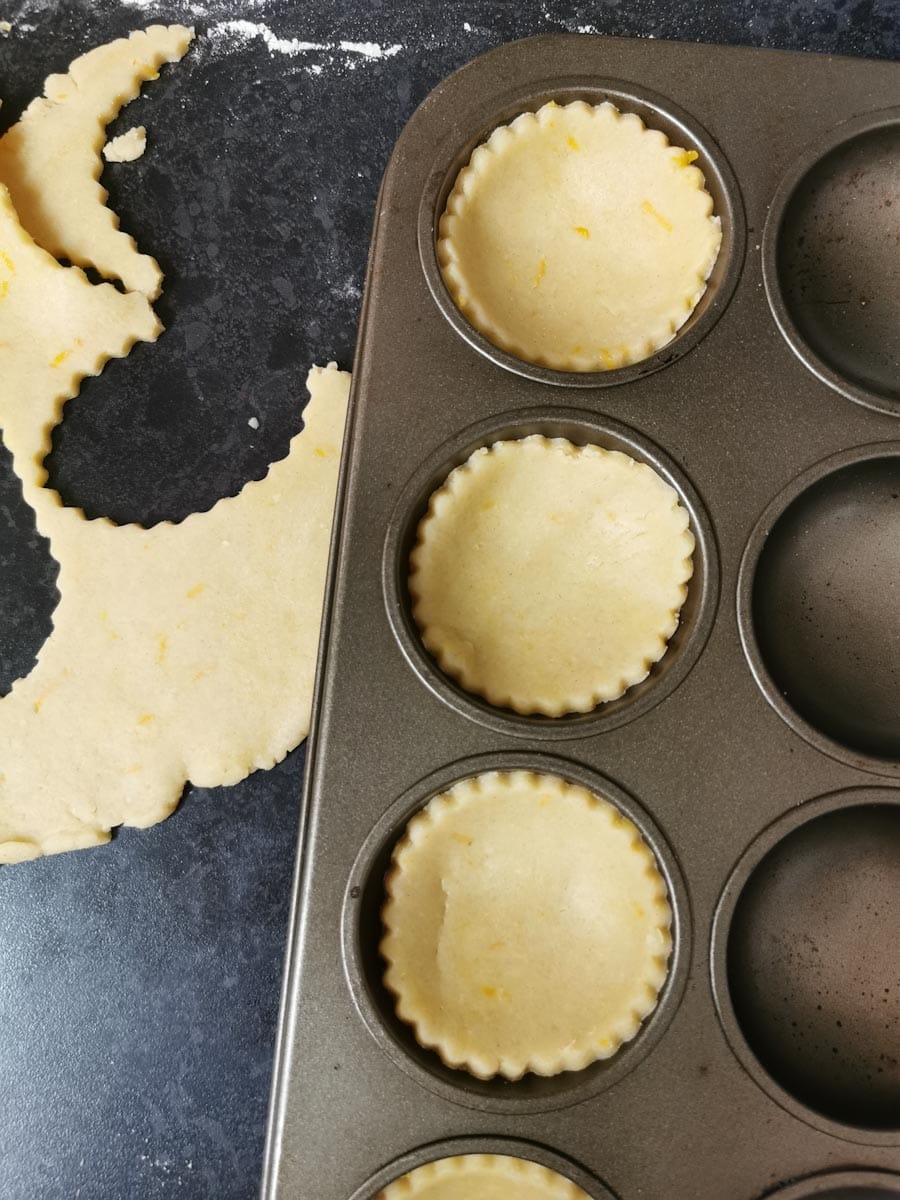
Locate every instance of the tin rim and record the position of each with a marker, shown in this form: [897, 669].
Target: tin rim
[746, 629]
[696, 617]
[817, 1185]
[751, 858]
[841, 134]
[509, 1147]
[365, 886]
[657, 112]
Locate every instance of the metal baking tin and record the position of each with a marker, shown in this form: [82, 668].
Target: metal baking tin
[766, 416]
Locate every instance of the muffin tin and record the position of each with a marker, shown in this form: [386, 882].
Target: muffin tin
[761, 756]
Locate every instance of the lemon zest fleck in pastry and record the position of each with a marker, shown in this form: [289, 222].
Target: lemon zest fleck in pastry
[648, 208]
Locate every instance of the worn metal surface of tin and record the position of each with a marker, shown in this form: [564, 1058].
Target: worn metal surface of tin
[760, 758]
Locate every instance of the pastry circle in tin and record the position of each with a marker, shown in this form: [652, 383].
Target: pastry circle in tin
[526, 926]
[578, 239]
[501, 1160]
[548, 577]
[482, 1177]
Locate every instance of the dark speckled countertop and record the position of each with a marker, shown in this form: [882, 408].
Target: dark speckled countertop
[139, 982]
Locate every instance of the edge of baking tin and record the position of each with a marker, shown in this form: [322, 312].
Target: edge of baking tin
[295, 934]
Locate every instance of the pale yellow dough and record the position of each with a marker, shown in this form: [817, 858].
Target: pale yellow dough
[548, 577]
[183, 652]
[482, 1177]
[578, 239]
[526, 926]
[127, 146]
[55, 328]
[50, 160]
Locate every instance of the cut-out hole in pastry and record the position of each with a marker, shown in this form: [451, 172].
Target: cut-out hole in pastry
[186, 652]
[151, 441]
[159, 436]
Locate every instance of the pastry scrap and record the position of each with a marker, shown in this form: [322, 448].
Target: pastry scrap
[526, 926]
[55, 329]
[182, 652]
[578, 239]
[548, 577]
[127, 146]
[482, 1177]
[50, 160]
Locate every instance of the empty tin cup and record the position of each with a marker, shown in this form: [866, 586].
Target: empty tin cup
[819, 606]
[806, 963]
[831, 260]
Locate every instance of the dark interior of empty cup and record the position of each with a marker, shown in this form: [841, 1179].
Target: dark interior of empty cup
[814, 967]
[826, 606]
[838, 261]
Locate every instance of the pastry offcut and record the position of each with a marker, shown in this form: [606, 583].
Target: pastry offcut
[50, 159]
[180, 652]
[548, 577]
[526, 926]
[482, 1177]
[578, 239]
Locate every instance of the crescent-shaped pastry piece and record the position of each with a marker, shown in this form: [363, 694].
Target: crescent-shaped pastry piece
[51, 159]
